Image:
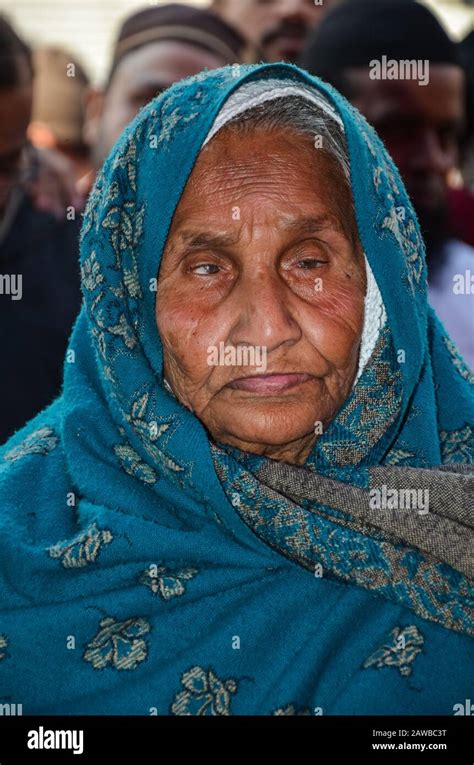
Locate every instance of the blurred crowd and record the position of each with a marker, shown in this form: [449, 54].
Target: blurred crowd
[56, 129]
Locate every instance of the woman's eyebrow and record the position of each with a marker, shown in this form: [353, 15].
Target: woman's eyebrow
[202, 240]
[206, 239]
[314, 224]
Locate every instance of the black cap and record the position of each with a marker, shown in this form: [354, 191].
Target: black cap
[359, 31]
[185, 23]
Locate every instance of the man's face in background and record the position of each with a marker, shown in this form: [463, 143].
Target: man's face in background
[140, 76]
[278, 27]
[421, 126]
[15, 112]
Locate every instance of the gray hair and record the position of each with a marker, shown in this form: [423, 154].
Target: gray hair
[299, 115]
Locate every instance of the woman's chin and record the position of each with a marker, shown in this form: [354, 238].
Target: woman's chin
[256, 430]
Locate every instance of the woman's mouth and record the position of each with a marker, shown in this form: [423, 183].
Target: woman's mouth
[269, 384]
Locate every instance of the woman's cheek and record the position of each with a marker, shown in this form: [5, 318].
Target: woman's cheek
[188, 331]
[343, 300]
[335, 324]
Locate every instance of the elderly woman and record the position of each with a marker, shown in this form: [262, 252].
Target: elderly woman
[252, 494]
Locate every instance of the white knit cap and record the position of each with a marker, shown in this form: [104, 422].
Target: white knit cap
[253, 94]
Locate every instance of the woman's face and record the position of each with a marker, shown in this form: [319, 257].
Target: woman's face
[262, 258]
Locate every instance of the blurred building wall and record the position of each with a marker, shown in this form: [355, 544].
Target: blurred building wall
[85, 27]
[458, 16]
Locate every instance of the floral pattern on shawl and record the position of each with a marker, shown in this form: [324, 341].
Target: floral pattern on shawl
[204, 693]
[41, 441]
[83, 549]
[165, 582]
[400, 650]
[118, 644]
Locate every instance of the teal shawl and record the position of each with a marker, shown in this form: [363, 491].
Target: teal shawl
[146, 570]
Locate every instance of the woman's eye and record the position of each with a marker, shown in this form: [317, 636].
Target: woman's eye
[308, 263]
[205, 269]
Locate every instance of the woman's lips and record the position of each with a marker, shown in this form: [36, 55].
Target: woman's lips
[268, 384]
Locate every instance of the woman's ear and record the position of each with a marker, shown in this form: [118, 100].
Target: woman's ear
[93, 108]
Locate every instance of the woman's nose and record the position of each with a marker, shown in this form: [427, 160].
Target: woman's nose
[264, 317]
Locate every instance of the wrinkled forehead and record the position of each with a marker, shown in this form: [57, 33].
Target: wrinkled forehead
[324, 130]
[212, 172]
[266, 94]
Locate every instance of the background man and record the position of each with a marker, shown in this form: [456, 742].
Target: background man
[421, 125]
[155, 48]
[278, 27]
[38, 257]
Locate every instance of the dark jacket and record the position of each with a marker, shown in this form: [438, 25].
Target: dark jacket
[34, 330]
